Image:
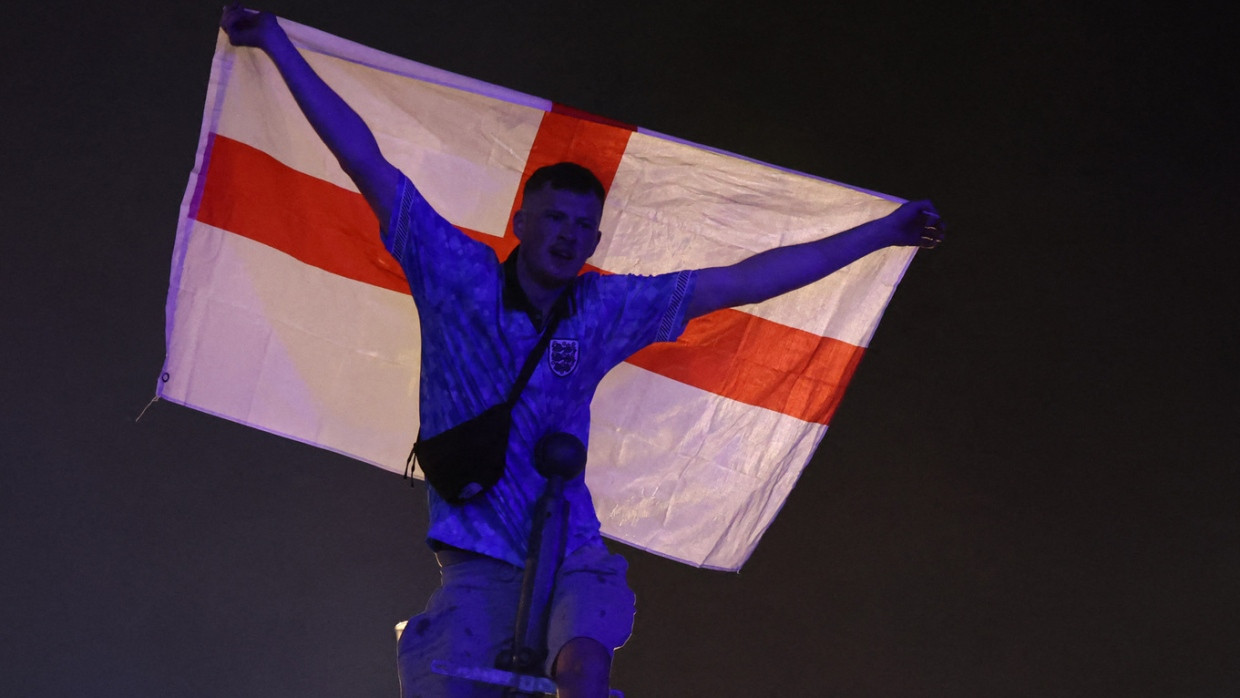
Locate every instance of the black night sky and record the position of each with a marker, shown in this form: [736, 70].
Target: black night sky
[1030, 490]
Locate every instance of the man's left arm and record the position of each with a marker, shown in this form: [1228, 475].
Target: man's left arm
[783, 269]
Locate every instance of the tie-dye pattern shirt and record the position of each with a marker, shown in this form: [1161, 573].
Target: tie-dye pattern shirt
[477, 331]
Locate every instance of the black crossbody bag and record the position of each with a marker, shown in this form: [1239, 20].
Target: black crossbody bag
[469, 458]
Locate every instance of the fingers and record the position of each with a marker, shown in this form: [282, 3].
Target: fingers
[933, 229]
[246, 27]
[232, 14]
[919, 224]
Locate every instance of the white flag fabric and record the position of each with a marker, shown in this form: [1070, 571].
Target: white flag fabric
[285, 313]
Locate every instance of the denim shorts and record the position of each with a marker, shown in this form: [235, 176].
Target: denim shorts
[470, 619]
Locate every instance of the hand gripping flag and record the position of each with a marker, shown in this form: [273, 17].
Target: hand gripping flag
[285, 313]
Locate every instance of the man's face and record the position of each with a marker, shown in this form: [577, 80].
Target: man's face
[558, 230]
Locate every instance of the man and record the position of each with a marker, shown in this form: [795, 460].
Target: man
[480, 319]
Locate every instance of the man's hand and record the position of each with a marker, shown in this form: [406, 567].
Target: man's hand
[248, 27]
[916, 223]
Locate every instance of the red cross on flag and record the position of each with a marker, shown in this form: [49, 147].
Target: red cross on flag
[285, 313]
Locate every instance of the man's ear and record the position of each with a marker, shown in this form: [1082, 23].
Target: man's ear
[598, 237]
[518, 224]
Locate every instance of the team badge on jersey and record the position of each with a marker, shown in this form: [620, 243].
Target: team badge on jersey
[563, 356]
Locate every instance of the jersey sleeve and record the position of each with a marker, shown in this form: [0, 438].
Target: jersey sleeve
[436, 257]
[642, 310]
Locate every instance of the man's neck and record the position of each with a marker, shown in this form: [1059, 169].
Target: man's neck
[541, 296]
[522, 291]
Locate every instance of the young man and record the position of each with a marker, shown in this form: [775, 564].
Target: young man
[480, 318]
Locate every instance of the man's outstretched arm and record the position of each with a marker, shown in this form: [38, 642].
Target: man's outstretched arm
[342, 130]
[783, 269]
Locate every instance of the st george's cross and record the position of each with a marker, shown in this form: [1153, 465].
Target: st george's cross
[285, 312]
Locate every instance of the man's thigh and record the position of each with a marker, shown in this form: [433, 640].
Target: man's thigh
[592, 599]
[468, 621]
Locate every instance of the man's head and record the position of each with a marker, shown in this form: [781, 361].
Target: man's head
[557, 223]
[565, 175]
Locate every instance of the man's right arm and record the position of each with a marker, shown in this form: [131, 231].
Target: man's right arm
[342, 130]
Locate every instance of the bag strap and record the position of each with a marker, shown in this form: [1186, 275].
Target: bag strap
[536, 354]
[531, 362]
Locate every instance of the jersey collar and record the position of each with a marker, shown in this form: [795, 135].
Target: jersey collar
[515, 298]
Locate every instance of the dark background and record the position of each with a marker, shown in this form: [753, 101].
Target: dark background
[1030, 489]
